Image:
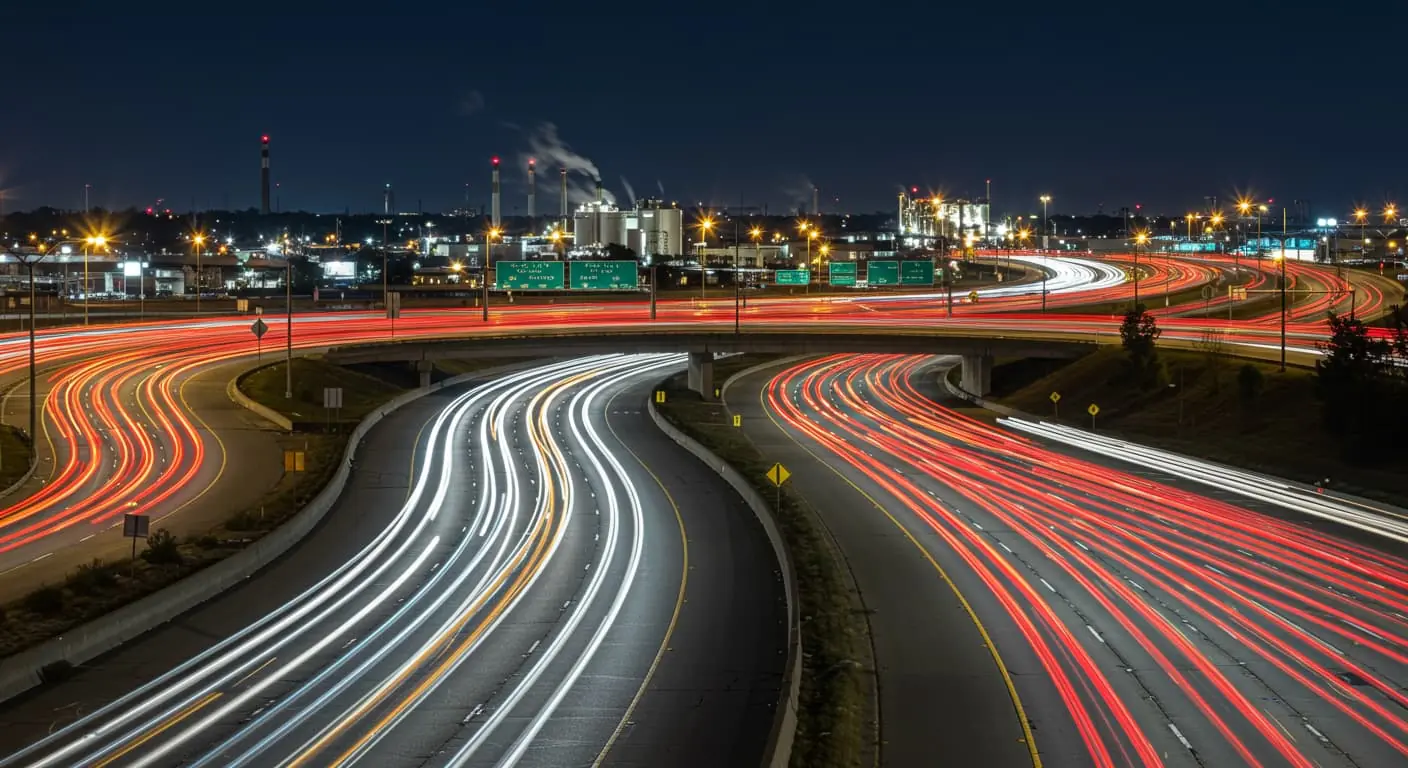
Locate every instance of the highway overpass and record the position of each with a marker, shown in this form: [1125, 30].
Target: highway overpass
[978, 350]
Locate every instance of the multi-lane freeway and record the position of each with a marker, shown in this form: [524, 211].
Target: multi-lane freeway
[552, 583]
[373, 649]
[1118, 606]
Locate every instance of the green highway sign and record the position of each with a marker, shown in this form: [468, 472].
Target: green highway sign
[883, 273]
[842, 272]
[792, 276]
[603, 275]
[529, 276]
[917, 272]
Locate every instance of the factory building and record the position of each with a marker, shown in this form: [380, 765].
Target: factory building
[652, 228]
[925, 217]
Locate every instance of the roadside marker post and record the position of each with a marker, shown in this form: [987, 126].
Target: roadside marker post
[778, 475]
[135, 527]
[737, 420]
[1092, 410]
[659, 395]
[1056, 405]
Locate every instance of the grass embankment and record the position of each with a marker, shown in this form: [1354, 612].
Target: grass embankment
[1203, 411]
[101, 587]
[831, 718]
[14, 456]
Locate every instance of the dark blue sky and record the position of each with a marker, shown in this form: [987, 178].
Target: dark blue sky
[1109, 105]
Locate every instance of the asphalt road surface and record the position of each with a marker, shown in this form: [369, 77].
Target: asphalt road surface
[1144, 617]
[543, 579]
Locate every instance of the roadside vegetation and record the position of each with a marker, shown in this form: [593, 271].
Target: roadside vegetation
[100, 587]
[832, 717]
[1343, 421]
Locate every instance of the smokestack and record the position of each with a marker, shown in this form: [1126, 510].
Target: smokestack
[600, 192]
[388, 200]
[494, 199]
[815, 209]
[562, 202]
[532, 192]
[264, 174]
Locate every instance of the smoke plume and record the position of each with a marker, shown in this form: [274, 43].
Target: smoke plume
[551, 151]
[630, 193]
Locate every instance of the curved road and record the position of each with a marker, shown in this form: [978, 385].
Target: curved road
[1137, 616]
[554, 583]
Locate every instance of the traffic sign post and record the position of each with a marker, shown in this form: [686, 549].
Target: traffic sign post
[778, 475]
[135, 527]
[842, 273]
[882, 273]
[792, 277]
[917, 272]
[659, 395]
[737, 420]
[972, 297]
[259, 328]
[332, 402]
[604, 275]
[529, 276]
[1093, 410]
[1056, 405]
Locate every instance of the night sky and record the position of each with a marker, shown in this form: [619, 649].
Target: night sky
[752, 102]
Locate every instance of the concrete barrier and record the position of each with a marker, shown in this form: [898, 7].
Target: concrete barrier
[784, 727]
[25, 670]
[270, 415]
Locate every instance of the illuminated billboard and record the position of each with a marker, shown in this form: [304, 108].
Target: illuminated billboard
[339, 269]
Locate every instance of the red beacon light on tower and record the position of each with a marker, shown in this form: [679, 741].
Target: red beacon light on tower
[264, 139]
[494, 160]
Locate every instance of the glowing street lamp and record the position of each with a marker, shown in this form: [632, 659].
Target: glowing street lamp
[1140, 239]
[489, 238]
[199, 242]
[92, 241]
[1045, 221]
[705, 225]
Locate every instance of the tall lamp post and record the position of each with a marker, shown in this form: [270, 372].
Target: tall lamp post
[1045, 232]
[288, 322]
[199, 241]
[756, 235]
[812, 234]
[1361, 215]
[29, 260]
[1283, 290]
[705, 224]
[94, 241]
[484, 273]
[1139, 241]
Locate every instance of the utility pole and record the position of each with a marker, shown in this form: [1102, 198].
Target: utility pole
[288, 327]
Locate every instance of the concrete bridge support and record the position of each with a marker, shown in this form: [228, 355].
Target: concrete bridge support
[425, 368]
[976, 376]
[701, 374]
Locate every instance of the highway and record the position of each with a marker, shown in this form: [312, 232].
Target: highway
[1142, 612]
[551, 582]
[115, 394]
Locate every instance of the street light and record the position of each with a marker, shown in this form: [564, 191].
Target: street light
[1023, 235]
[1045, 231]
[1361, 215]
[96, 241]
[199, 241]
[1139, 240]
[705, 224]
[812, 234]
[484, 274]
[29, 260]
[1283, 289]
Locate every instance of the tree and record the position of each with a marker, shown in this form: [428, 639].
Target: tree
[1249, 385]
[1138, 333]
[616, 252]
[1214, 346]
[1358, 385]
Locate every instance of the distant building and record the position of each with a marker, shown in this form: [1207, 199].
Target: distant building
[925, 217]
[652, 229]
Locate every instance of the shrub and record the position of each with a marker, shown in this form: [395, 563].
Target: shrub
[1249, 384]
[206, 542]
[45, 601]
[162, 549]
[93, 577]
